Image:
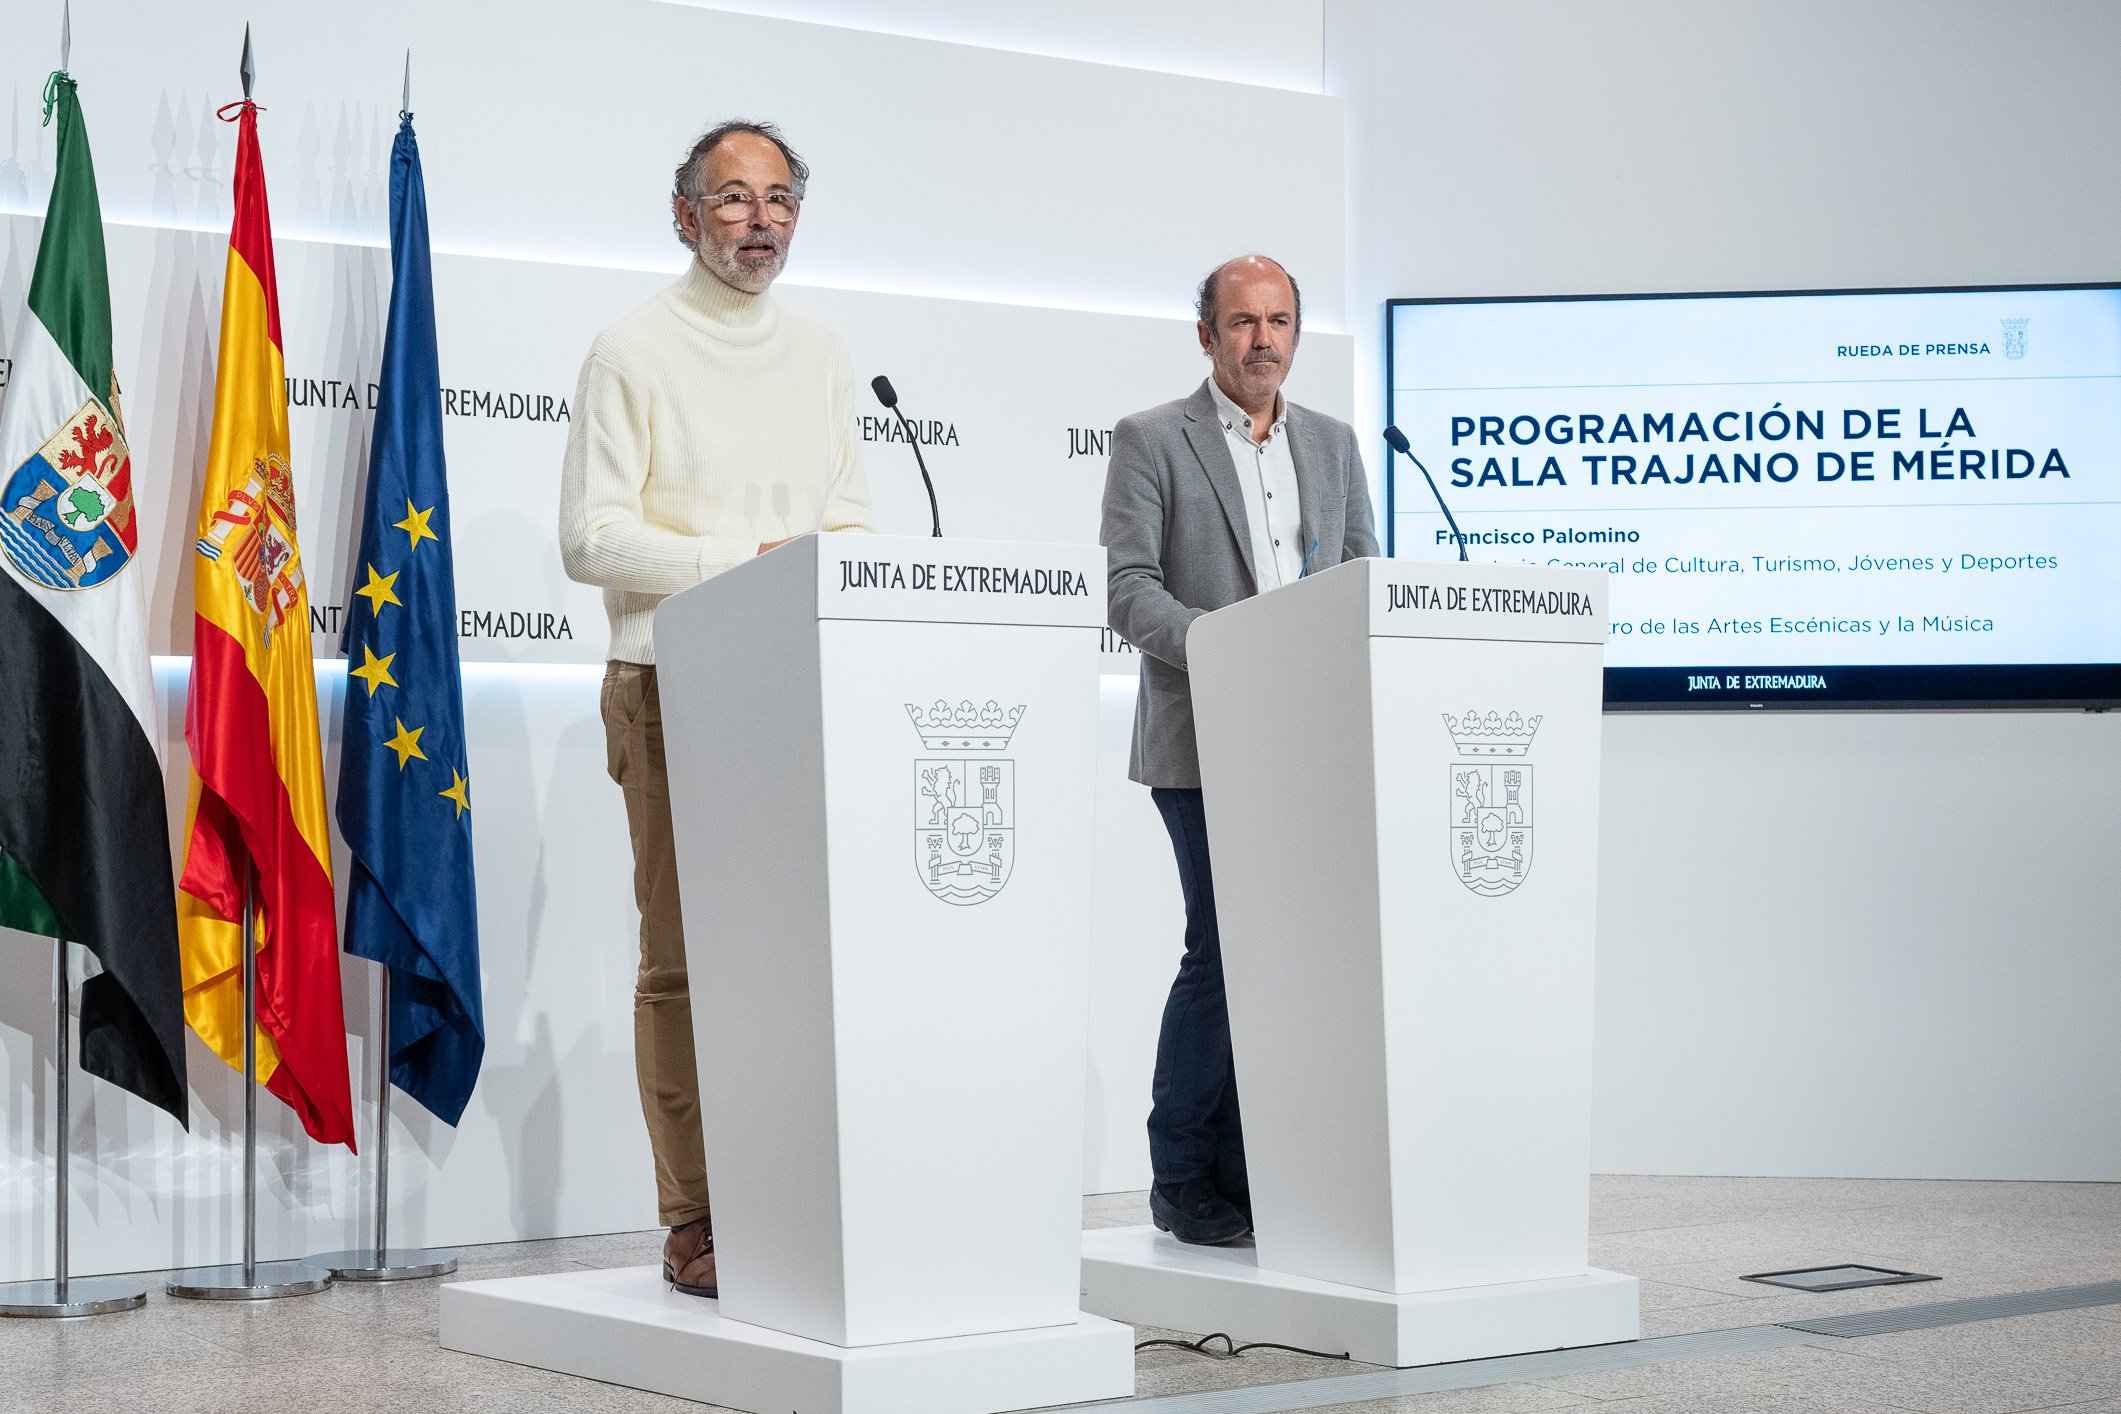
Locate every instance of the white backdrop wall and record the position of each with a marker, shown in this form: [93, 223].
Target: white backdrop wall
[550, 131]
[1279, 43]
[1832, 943]
[1004, 232]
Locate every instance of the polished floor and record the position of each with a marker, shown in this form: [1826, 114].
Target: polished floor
[1688, 1239]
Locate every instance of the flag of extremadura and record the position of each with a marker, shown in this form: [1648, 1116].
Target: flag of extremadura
[84, 843]
[257, 784]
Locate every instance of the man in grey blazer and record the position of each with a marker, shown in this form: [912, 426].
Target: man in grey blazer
[1218, 496]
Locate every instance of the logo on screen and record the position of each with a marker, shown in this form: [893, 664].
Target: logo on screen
[1490, 805]
[964, 800]
[2014, 337]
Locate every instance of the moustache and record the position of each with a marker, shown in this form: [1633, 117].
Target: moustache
[764, 240]
[1262, 356]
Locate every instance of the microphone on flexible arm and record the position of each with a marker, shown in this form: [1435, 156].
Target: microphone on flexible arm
[888, 396]
[1398, 441]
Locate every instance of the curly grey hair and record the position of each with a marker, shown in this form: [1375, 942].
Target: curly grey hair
[686, 186]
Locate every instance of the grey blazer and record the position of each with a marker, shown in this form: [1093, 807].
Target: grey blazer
[1178, 546]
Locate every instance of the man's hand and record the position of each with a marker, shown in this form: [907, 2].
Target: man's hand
[775, 544]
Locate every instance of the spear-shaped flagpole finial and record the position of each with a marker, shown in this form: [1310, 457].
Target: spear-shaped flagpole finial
[66, 34]
[250, 70]
[406, 106]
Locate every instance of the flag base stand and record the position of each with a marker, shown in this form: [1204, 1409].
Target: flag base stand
[393, 1264]
[79, 1296]
[383, 1262]
[259, 1282]
[63, 1296]
[249, 1279]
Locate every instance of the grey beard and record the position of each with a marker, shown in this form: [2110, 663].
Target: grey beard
[722, 260]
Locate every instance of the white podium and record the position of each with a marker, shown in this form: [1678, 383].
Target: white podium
[1400, 766]
[881, 756]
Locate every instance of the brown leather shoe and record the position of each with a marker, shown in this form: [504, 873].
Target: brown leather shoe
[688, 1259]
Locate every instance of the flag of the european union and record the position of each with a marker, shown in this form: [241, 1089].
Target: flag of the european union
[404, 792]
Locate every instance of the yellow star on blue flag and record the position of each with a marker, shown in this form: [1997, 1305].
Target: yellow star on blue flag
[415, 524]
[377, 591]
[375, 672]
[456, 793]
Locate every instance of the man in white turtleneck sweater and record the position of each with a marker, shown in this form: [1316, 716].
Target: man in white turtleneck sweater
[710, 425]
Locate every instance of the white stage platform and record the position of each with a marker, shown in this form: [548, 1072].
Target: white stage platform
[626, 1327]
[1140, 1274]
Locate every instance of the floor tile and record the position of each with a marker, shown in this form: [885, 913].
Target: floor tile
[1115, 1209]
[373, 1348]
[1765, 1400]
[1719, 1377]
[2061, 1336]
[1490, 1399]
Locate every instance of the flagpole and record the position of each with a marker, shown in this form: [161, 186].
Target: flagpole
[62, 1296]
[250, 1075]
[383, 1262]
[383, 1124]
[249, 1280]
[62, 1136]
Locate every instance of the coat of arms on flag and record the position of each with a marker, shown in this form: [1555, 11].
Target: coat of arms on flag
[66, 515]
[256, 528]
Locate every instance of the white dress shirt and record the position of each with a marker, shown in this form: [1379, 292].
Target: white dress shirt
[1267, 475]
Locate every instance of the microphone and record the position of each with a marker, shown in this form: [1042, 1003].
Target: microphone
[1398, 442]
[888, 396]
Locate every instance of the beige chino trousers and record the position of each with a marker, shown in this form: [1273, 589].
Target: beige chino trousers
[662, 997]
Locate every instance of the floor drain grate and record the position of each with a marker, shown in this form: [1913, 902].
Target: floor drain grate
[1952, 1313]
[1844, 1277]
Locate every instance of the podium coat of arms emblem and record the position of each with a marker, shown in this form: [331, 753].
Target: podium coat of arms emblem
[1490, 800]
[964, 800]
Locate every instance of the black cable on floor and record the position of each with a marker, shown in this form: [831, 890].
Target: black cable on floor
[1232, 1349]
[1198, 1347]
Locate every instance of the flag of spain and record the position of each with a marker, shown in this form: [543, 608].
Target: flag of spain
[257, 782]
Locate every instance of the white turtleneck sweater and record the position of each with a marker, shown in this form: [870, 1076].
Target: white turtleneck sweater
[706, 423]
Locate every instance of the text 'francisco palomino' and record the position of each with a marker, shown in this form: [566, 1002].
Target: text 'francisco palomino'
[1479, 599]
[961, 579]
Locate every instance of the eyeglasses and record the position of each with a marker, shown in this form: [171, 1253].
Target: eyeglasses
[736, 206]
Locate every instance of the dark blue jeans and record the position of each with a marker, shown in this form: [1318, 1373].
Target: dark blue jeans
[1194, 1130]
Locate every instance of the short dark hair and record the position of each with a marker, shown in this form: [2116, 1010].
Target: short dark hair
[686, 185]
[1207, 300]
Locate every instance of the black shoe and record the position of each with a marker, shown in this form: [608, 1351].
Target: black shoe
[1194, 1212]
[1243, 1203]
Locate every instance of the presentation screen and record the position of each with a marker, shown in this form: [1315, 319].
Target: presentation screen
[1828, 498]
